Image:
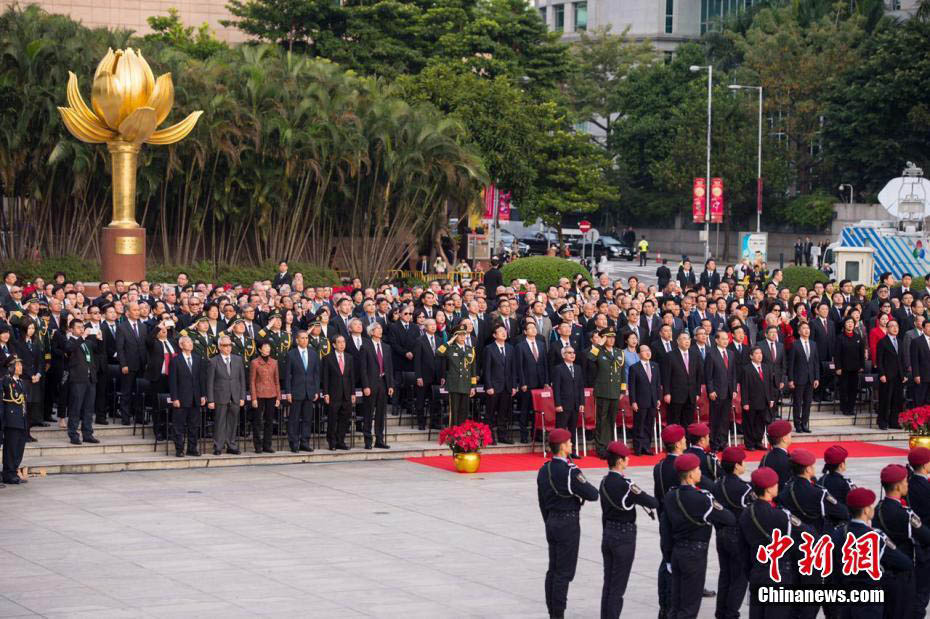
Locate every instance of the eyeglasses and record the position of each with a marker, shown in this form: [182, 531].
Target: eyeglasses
[569, 352]
[407, 314]
[226, 344]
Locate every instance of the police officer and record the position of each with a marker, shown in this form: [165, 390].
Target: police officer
[665, 478]
[861, 512]
[608, 383]
[834, 465]
[562, 490]
[906, 531]
[619, 498]
[918, 499]
[814, 506]
[698, 444]
[460, 375]
[687, 517]
[779, 433]
[734, 494]
[757, 523]
[13, 393]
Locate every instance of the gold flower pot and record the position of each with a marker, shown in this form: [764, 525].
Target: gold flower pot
[918, 440]
[467, 462]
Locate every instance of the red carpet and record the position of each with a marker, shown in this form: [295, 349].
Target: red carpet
[507, 463]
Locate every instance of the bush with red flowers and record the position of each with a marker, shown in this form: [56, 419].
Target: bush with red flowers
[468, 437]
[916, 420]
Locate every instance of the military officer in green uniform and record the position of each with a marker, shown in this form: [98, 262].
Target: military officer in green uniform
[319, 343]
[204, 342]
[280, 341]
[460, 374]
[242, 344]
[608, 384]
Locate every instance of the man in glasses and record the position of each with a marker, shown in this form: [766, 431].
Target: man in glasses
[568, 391]
[226, 395]
[403, 341]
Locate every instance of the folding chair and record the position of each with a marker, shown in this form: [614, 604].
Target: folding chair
[587, 421]
[736, 417]
[702, 408]
[828, 372]
[543, 415]
[624, 416]
[867, 383]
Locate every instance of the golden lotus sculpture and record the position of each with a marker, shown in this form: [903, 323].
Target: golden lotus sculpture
[127, 104]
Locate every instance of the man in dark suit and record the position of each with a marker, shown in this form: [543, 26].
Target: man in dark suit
[160, 348]
[757, 397]
[500, 382]
[301, 389]
[426, 368]
[354, 344]
[649, 322]
[402, 337]
[773, 355]
[226, 395]
[710, 278]
[803, 376]
[338, 393]
[533, 371]
[562, 337]
[682, 377]
[567, 390]
[110, 371]
[644, 387]
[82, 378]
[131, 355]
[377, 385]
[187, 386]
[920, 366]
[282, 277]
[720, 376]
[823, 332]
[892, 375]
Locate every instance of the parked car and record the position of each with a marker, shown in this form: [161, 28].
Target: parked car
[508, 240]
[605, 245]
[538, 243]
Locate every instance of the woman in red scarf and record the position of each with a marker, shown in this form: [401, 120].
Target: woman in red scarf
[849, 359]
[879, 331]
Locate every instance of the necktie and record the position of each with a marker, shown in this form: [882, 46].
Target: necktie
[406, 326]
[571, 370]
[894, 342]
[648, 368]
[807, 352]
[342, 364]
[501, 348]
[668, 347]
[684, 356]
[535, 352]
[726, 360]
[380, 358]
[167, 355]
[188, 359]
[135, 329]
[303, 357]
[759, 370]
[772, 346]
[432, 344]
[228, 369]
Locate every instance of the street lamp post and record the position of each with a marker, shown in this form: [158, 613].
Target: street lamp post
[759, 158]
[850, 188]
[710, 83]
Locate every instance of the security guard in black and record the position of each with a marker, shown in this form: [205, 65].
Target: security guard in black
[735, 494]
[562, 490]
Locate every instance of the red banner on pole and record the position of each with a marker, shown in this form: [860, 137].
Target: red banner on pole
[716, 200]
[489, 193]
[759, 196]
[503, 206]
[697, 200]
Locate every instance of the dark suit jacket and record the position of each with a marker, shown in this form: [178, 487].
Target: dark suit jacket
[533, 373]
[356, 357]
[920, 358]
[709, 281]
[425, 363]
[368, 365]
[187, 384]
[649, 331]
[824, 337]
[130, 350]
[779, 364]
[79, 370]
[280, 279]
[109, 343]
[683, 385]
[892, 363]
[299, 383]
[340, 387]
[643, 392]
[156, 355]
[801, 370]
[756, 392]
[403, 341]
[568, 392]
[720, 377]
[499, 373]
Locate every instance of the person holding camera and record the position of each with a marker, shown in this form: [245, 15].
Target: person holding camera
[162, 347]
[80, 350]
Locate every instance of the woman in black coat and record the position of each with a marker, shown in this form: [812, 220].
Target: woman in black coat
[29, 348]
[849, 359]
[686, 278]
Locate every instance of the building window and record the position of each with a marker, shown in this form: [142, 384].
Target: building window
[559, 10]
[669, 15]
[581, 16]
[542, 13]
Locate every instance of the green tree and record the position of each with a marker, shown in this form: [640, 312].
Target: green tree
[171, 31]
[310, 26]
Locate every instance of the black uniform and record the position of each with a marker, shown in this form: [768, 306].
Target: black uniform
[777, 460]
[13, 409]
[619, 498]
[708, 467]
[918, 498]
[734, 494]
[562, 490]
[906, 531]
[837, 484]
[664, 478]
[687, 516]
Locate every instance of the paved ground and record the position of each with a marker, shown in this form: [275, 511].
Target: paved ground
[380, 539]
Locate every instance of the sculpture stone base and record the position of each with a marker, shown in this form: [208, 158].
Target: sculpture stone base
[123, 254]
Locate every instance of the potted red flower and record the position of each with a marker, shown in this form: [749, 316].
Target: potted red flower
[466, 441]
[917, 422]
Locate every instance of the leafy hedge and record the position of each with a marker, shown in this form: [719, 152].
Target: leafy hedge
[796, 277]
[89, 271]
[544, 271]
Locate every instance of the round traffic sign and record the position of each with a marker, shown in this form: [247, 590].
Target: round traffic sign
[584, 226]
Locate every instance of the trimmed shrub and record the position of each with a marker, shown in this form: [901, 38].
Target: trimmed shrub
[802, 276]
[544, 271]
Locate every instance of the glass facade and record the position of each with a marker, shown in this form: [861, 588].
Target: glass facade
[581, 16]
[713, 10]
[669, 16]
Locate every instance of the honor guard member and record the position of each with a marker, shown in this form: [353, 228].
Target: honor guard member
[665, 478]
[280, 340]
[735, 494]
[906, 531]
[562, 490]
[779, 433]
[834, 465]
[619, 498]
[814, 506]
[318, 341]
[242, 344]
[203, 340]
[687, 517]
[13, 416]
[918, 499]
[757, 524]
[608, 383]
[460, 376]
[861, 514]
[698, 444]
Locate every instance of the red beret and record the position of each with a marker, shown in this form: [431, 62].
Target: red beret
[778, 429]
[802, 457]
[764, 477]
[734, 453]
[918, 456]
[686, 462]
[698, 429]
[893, 473]
[859, 498]
[618, 449]
[673, 433]
[835, 454]
[559, 436]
